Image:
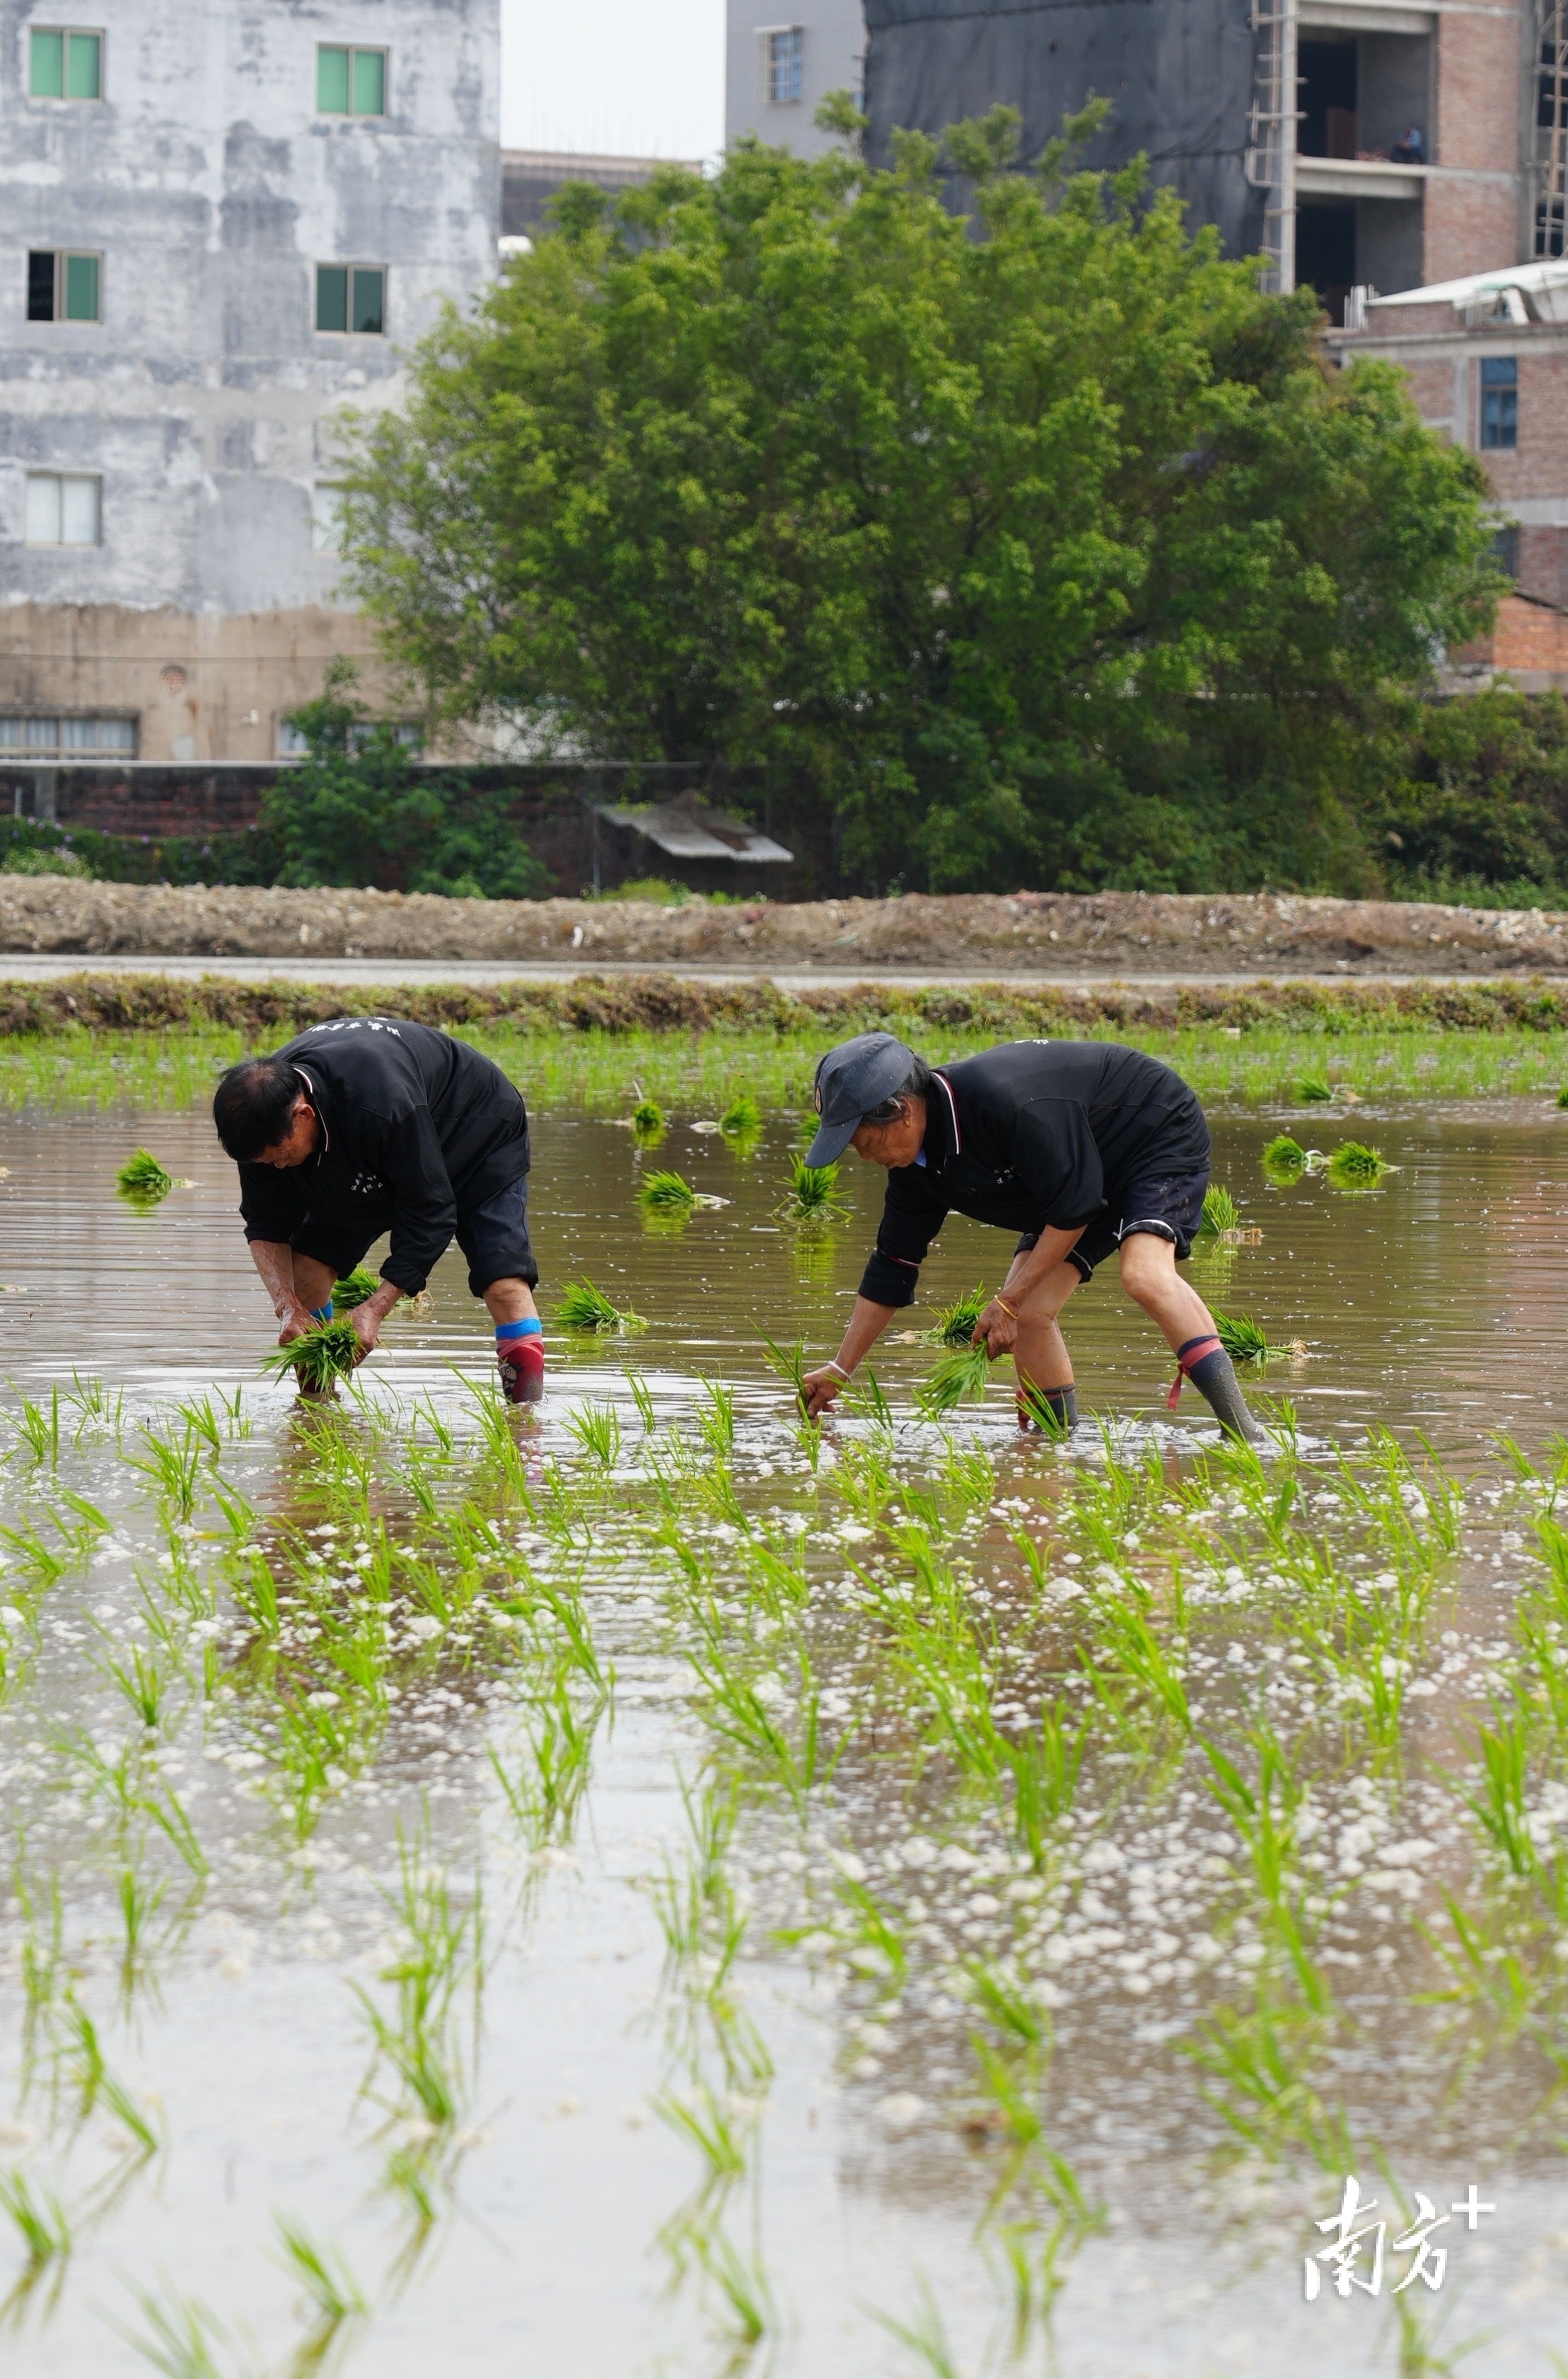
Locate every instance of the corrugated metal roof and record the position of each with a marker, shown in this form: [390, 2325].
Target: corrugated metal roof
[684, 831]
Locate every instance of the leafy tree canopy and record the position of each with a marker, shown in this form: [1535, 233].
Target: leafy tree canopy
[1037, 543]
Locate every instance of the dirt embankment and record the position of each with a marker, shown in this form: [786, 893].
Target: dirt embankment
[1119, 934]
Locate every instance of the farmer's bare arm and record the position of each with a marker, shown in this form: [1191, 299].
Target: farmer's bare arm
[276, 1262]
[997, 1329]
[866, 1325]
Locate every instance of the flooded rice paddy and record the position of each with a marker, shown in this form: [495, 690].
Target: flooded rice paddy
[652, 1889]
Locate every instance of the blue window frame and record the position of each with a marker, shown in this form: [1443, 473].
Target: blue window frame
[1500, 402]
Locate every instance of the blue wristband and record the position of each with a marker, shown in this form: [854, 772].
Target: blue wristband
[322, 1313]
[519, 1330]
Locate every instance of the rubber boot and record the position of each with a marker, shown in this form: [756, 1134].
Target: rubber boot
[1213, 1375]
[521, 1362]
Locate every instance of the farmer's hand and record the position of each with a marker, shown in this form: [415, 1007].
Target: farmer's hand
[366, 1322]
[996, 1330]
[296, 1320]
[818, 1390]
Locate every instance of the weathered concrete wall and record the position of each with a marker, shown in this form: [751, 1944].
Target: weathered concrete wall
[832, 59]
[205, 399]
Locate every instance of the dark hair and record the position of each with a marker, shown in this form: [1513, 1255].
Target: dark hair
[252, 1105]
[915, 1085]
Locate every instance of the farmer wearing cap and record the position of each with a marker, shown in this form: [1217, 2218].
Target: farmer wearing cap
[1081, 1146]
[373, 1124]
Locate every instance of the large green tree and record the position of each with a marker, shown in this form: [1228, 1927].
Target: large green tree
[1037, 544]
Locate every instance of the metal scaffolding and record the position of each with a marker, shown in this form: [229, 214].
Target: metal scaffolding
[1271, 157]
[1551, 128]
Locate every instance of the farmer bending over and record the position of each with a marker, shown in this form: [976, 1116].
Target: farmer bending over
[1081, 1145]
[368, 1125]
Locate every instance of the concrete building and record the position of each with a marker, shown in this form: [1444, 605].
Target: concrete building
[530, 178]
[222, 224]
[777, 70]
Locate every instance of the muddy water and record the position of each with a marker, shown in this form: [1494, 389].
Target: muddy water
[1434, 1305]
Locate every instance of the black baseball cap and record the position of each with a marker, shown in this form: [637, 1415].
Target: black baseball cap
[851, 1079]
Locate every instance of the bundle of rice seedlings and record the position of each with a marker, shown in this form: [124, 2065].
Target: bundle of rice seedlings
[810, 1197]
[955, 1323]
[1311, 1090]
[1221, 1212]
[1355, 1165]
[666, 1194]
[320, 1357]
[741, 1117]
[354, 1288]
[141, 1176]
[1284, 1154]
[648, 1120]
[1562, 1096]
[961, 1375]
[1242, 1339]
[584, 1307]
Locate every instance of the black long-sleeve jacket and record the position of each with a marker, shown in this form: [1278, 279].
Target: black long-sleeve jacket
[1035, 1132]
[415, 1125]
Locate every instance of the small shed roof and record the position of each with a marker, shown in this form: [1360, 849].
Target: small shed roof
[686, 830]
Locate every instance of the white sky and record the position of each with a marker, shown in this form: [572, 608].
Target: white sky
[626, 78]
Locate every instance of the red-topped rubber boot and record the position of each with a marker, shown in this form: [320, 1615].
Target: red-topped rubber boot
[520, 1358]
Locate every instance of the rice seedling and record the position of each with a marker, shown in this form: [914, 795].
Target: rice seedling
[926, 2337]
[182, 2337]
[317, 1358]
[1312, 1090]
[741, 1117]
[961, 1374]
[745, 2297]
[650, 1122]
[1221, 1212]
[582, 1307]
[39, 1430]
[142, 1177]
[811, 1195]
[701, 2118]
[173, 1466]
[667, 1194]
[641, 1399]
[1283, 1156]
[322, 2272]
[1242, 1339]
[1562, 1096]
[354, 1288]
[1353, 1165]
[954, 1323]
[40, 2220]
[596, 1429]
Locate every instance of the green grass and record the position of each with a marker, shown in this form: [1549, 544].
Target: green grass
[581, 1306]
[318, 1356]
[666, 1194]
[354, 1288]
[143, 1177]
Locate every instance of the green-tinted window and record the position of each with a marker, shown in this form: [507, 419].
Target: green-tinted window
[81, 289]
[369, 298]
[369, 83]
[331, 297]
[84, 55]
[46, 76]
[331, 83]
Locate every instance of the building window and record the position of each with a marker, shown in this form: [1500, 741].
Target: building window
[63, 62]
[61, 508]
[294, 745]
[68, 738]
[782, 61]
[326, 519]
[61, 286]
[352, 297]
[1500, 400]
[351, 82]
[1505, 549]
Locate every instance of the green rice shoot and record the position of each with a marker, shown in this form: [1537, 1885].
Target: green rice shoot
[318, 1356]
[956, 1377]
[1312, 1090]
[1221, 1212]
[1355, 1165]
[741, 1117]
[141, 1176]
[1242, 1339]
[582, 1307]
[1284, 1154]
[666, 1194]
[955, 1323]
[810, 1198]
[1562, 1096]
[649, 1120]
[354, 1288]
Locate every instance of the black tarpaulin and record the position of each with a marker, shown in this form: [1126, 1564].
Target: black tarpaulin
[1178, 74]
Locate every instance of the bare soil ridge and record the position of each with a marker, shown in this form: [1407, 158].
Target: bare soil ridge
[1128, 934]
